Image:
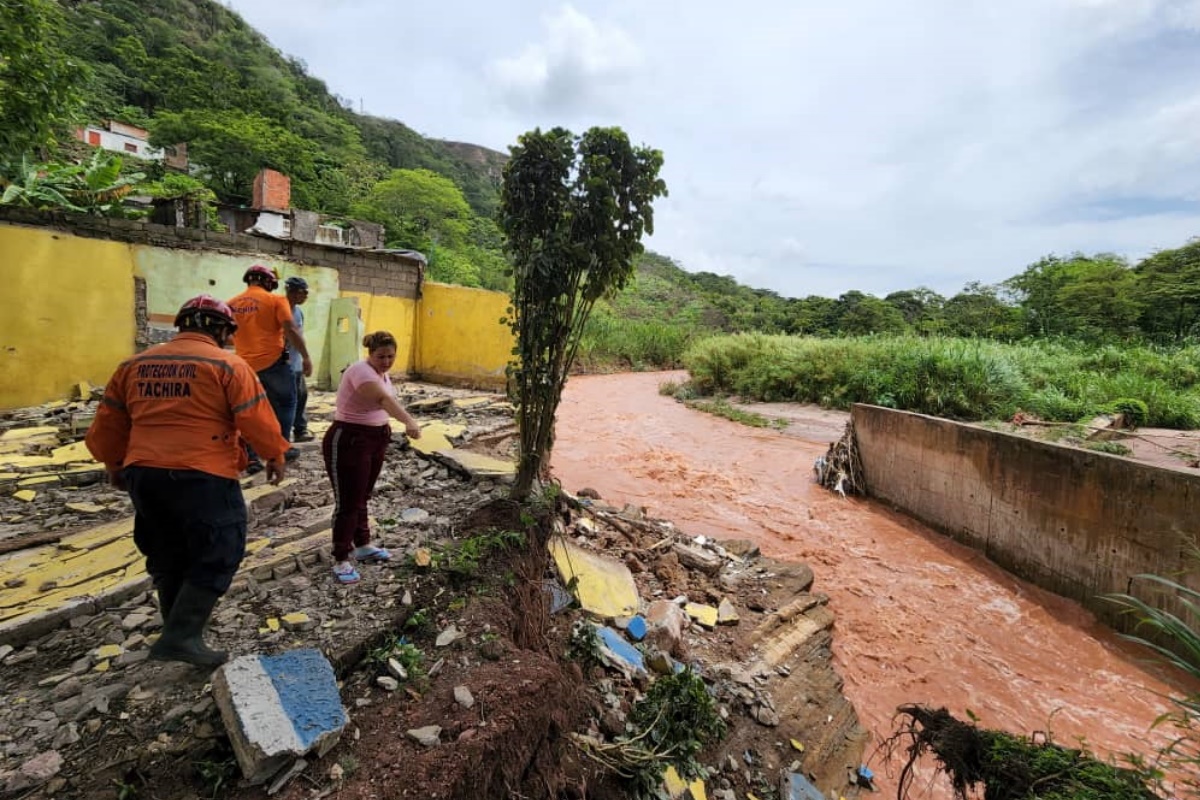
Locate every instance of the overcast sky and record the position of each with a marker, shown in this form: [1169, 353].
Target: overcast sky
[816, 146]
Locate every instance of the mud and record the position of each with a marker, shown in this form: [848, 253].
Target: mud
[920, 619]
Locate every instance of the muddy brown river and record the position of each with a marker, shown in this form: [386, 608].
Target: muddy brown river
[920, 619]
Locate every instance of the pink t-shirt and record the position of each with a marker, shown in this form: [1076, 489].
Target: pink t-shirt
[351, 407]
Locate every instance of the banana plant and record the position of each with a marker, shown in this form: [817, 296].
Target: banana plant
[93, 187]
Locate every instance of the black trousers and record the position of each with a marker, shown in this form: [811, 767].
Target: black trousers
[190, 526]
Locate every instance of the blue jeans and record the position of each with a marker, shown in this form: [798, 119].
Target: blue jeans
[300, 425]
[280, 388]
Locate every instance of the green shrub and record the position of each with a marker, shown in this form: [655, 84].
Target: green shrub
[953, 377]
[1134, 411]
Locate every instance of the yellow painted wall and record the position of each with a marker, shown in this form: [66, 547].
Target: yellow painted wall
[69, 315]
[173, 276]
[68, 312]
[395, 315]
[459, 335]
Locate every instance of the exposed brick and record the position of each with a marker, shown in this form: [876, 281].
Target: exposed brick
[272, 191]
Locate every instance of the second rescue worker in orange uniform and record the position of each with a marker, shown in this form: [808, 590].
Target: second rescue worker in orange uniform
[265, 326]
[168, 431]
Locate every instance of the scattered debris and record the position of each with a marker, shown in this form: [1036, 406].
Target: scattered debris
[840, 469]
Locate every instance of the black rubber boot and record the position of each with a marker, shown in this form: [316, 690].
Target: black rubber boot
[168, 590]
[183, 633]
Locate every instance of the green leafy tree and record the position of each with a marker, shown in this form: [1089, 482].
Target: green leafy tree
[421, 210]
[574, 209]
[1100, 300]
[1169, 292]
[1088, 296]
[978, 311]
[920, 307]
[40, 86]
[232, 146]
[858, 314]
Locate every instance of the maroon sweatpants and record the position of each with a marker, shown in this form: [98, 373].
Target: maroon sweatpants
[353, 458]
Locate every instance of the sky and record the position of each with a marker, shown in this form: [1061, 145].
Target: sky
[810, 146]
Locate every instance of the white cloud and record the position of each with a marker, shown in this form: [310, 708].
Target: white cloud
[816, 147]
[577, 64]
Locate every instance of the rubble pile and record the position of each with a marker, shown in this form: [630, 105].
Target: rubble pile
[425, 656]
[48, 481]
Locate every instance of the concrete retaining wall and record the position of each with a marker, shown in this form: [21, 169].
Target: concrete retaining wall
[1077, 523]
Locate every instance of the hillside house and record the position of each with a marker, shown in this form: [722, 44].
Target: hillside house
[120, 137]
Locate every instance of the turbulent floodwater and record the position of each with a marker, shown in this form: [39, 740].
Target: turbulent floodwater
[919, 617]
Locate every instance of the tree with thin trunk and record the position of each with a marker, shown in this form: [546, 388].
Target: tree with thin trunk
[573, 210]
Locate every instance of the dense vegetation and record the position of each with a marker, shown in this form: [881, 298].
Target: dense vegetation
[969, 379]
[194, 71]
[1098, 299]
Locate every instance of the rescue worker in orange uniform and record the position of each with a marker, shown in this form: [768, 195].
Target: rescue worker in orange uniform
[169, 431]
[265, 327]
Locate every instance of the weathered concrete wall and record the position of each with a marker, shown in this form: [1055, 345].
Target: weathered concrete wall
[1078, 523]
[460, 338]
[68, 313]
[173, 275]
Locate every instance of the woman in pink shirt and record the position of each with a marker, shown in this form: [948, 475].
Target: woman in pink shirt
[354, 447]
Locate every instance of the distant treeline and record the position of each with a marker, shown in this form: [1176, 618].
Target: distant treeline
[1099, 298]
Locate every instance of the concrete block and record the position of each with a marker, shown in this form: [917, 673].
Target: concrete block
[797, 787]
[604, 586]
[279, 708]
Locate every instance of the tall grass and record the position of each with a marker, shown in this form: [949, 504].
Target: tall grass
[958, 378]
[637, 344]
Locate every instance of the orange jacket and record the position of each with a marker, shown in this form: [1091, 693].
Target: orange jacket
[261, 319]
[181, 405]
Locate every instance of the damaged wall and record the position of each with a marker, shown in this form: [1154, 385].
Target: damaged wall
[450, 315]
[69, 313]
[173, 276]
[82, 321]
[398, 316]
[1076, 522]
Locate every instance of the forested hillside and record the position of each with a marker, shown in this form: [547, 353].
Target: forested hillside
[194, 71]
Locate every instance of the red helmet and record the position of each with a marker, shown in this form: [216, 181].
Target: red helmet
[267, 276]
[208, 310]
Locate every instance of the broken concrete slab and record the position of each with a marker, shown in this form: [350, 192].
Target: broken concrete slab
[698, 558]
[797, 787]
[436, 436]
[619, 653]
[603, 586]
[679, 789]
[429, 736]
[478, 465]
[278, 708]
[703, 614]
[429, 405]
[665, 622]
[726, 613]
